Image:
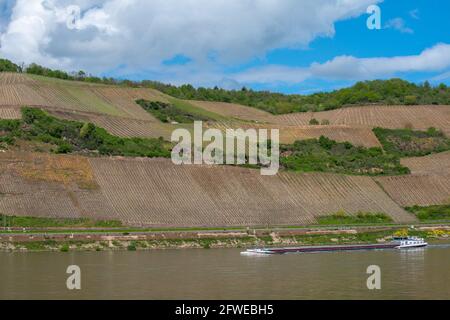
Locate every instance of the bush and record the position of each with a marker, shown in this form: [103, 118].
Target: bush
[314, 122]
[34, 222]
[64, 148]
[439, 212]
[72, 136]
[8, 66]
[325, 155]
[410, 100]
[169, 113]
[342, 218]
[409, 143]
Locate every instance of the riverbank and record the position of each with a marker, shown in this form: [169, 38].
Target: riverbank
[100, 240]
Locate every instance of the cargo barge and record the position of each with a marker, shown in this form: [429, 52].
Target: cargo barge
[397, 243]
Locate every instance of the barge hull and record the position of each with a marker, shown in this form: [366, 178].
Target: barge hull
[331, 248]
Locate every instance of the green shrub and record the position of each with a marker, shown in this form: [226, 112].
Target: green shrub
[8, 66]
[325, 155]
[341, 218]
[72, 136]
[314, 122]
[132, 247]
[438, 212]
[35, 222]
[169, 112]
[409, 143]
[410, 100]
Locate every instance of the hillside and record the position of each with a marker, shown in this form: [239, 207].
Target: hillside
[153, 192]
[156, 193]
[381, 92]
[114, 108]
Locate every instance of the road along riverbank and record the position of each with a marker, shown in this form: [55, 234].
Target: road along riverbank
[113, 239]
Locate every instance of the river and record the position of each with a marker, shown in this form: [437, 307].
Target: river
[225, 274]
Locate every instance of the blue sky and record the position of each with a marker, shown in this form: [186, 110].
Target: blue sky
[292, 46]
[427, 24]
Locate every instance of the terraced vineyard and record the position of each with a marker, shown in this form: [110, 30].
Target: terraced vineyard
[7, 78]
[390, 117]
[155, 192]
[10, 113]
[348, 124]
[51, 168]
[235, 111]
[124, 99]
[20, 90]
[356, 136]
[438, 164]
[428, 185]
[289, 134]
[118, 126]
[49, 186]
[18, 95]
[421, 190]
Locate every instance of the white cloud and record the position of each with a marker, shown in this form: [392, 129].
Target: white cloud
[140, 34]
[433, 59]
[398, 24]
[136, 36]
[414, 14]
[273, 74]
[441, 77]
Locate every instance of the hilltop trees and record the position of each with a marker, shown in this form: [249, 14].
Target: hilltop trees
[8, 66]
[384, 92]
[42, 71]
[74, 76]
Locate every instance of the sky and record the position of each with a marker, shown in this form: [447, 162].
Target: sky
[289, 46]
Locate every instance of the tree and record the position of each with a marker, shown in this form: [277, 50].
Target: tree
[410, 100]
[81, 74]
[8, 66]
[314, 122]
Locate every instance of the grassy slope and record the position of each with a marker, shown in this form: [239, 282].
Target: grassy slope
[80, 90]
[190, 108]
[432, 213]
[33, 222]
